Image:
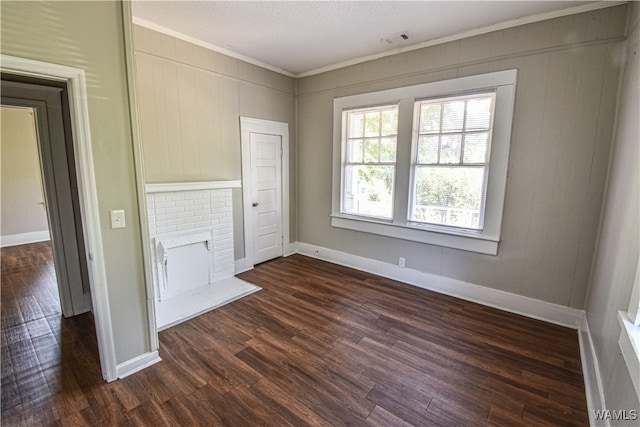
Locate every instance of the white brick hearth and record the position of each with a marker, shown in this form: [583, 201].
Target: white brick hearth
[191, 230]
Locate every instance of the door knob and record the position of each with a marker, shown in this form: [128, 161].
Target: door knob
[255, 204]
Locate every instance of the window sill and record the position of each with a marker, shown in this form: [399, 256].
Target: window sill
[473, 242]
[629, 343]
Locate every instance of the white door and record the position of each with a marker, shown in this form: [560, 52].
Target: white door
[266, 189]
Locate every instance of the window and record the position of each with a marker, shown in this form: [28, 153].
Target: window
[629, 339]
[451, 152]
[369, 167]
[426, 163]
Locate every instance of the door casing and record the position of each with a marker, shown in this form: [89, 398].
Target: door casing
[75, 81]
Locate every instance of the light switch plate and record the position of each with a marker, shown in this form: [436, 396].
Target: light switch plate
[117, 219]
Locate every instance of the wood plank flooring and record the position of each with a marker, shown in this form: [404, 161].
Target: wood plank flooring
[320, 345]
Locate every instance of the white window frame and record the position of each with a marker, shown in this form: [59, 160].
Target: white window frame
[486, 165]
[346, 162]
[484, 241]
[629, 339]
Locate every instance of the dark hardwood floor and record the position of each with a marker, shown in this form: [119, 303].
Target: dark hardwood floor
[319, 345]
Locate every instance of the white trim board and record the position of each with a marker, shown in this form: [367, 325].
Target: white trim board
[466, 34]
[76, 86]
[591, 374]
[24, 238]
[630, 348]
[518, 304]
[241, 266]
[136, 137]
[434, 42]
[138, 363]
[191, 186]
[178, 35]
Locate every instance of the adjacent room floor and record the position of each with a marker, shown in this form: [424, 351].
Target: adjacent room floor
[319, 345]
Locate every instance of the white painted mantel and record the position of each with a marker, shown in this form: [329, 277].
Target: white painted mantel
[191, 186]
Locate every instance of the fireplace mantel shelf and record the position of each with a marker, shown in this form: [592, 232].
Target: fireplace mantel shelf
[191, 186]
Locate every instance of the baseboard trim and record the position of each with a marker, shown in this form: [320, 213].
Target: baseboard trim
[241, 266]
[136, 364]
[518, 304]
[24, 238]
[290, 249]
[591, 374]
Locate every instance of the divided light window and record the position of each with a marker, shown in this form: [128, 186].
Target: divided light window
[371, 136]
[426, 163]
[451, 151]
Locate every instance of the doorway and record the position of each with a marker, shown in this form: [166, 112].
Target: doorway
[74, 82]
[57, 164]
[265, 189]
[23, 217]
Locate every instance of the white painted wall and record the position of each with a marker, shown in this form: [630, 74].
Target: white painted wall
[23, 217]
[618, 246]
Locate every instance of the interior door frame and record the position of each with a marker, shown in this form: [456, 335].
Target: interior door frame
[248, 126]
[75, 81]
[44, 104]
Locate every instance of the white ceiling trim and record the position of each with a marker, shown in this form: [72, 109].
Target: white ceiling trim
[159, 28]
[478, 31]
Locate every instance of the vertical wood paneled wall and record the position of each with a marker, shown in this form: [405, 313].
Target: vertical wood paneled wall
[568, 76]
[190, 101]
[614, 265]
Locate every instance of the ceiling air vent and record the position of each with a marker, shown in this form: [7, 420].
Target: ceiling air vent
[396, 38]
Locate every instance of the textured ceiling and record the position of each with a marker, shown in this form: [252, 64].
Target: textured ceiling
[306, 36]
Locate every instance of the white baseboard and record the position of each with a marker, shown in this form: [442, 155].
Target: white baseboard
[241, 266]
[290, 249]
[137, 364]
[591, 374]
[24, 238]
[529, 307]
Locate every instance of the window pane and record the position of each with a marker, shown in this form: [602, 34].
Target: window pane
[450, 149]
[475, 147]
[390, 122]
[453, 115]
[478, 113]
[368, 190]
[371, 150]
[448, 196]
[356, 150]
[430, 117]
[388, 150]
[428, 149]
[356, 125]
[372, 123]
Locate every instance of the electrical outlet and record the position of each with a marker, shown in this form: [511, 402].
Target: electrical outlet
[117, 219]
[401, 261]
